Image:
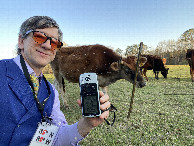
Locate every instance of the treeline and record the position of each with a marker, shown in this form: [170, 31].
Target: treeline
[173, 50]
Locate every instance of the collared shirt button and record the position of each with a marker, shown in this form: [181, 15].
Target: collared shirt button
[75, 138]
[18, 126]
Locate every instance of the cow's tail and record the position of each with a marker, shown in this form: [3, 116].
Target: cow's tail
[63, 84]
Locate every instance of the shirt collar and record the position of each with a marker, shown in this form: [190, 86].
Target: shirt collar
[30, 70]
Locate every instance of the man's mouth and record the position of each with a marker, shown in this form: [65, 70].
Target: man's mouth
[42, 53]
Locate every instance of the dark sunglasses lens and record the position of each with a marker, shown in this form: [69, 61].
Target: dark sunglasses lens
[55, 44]
[39, 37]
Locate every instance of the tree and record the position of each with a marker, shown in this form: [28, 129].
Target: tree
[119, 51]
[134, 49]
[187, 39]
[131, 50]
[173, 50]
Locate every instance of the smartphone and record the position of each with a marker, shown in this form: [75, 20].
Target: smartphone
[89, 92]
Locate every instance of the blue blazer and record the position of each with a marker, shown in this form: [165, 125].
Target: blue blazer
[19, 114]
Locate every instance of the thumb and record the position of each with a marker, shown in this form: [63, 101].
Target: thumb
[79, 102]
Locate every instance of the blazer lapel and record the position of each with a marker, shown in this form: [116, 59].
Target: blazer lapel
[19, 84]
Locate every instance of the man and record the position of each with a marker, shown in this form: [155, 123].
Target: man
[22, 108]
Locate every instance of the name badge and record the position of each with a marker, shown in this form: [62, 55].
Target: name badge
[44, 135]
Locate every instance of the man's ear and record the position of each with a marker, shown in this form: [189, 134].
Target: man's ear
[20, 42]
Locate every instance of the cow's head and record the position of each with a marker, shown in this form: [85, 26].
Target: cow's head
[189, 56]
[165, 72]
[127, 69]
[189, 61]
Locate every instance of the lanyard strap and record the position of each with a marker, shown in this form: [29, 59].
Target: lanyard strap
[41, 106]
[111, 109]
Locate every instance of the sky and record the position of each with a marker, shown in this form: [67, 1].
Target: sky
[113, 23]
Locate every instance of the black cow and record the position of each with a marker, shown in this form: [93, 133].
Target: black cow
[190, 59]
[154, 62]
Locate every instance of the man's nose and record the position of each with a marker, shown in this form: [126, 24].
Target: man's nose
[47, 44]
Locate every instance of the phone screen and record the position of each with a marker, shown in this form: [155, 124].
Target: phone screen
[90, 100]
[90, 105]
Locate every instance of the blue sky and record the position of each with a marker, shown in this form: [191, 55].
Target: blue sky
[115, 23]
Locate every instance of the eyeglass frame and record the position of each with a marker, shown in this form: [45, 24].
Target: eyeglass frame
[50, 38]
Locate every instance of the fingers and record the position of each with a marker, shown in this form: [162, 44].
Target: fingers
[103, 97]
[79, 102]
[105, 104]
[104, 115]
[101, 93]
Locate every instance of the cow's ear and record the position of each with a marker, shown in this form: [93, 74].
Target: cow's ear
[115, 66]
[143, 60]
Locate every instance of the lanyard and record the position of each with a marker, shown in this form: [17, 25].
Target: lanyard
[111, 109]
[41, 106]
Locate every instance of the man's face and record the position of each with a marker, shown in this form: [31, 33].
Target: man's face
[38, 55]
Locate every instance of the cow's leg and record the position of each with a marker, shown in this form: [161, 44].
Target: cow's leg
[192, 72]
[61, 90]
[156, 74]
[144, 72]
[61, 93]
[140, 69]
[64, 99]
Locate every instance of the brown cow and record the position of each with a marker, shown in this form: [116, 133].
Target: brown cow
[154, 62]
[70, 62]
[190, 58]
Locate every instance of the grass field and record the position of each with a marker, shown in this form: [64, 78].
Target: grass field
[162, 112]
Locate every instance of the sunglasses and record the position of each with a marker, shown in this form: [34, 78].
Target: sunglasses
[41, 38]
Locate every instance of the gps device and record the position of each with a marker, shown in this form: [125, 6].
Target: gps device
[89, 93]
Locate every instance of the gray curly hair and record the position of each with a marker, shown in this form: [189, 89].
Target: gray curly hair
[38, 22]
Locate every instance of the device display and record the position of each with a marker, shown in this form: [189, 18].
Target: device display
[89, 95]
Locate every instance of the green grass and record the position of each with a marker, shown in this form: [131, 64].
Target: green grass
[162, 112]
